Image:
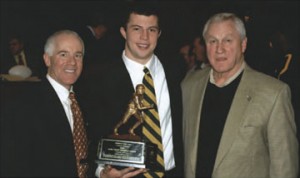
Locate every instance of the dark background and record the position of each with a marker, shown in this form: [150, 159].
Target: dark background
[35, 20]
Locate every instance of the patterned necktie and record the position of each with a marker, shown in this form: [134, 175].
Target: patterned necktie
[79, 137]
[151, 127]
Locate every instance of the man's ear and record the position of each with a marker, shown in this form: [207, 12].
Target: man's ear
[46, 59]
[244, 44]
[159, 33]
[123, 32]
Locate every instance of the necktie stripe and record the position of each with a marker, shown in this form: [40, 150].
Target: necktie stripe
[154, 127]
[149, 135]
[147, 175]
[149, 84]
[153, 115]
[150, 96]
[160, 160]
[149, 101]
[152, 111]
[149, 78]
[151, 127]
[153, 174]
[160, 149]
[160, 174]
[152, 135]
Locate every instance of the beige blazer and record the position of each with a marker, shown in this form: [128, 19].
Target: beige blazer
[259, 136]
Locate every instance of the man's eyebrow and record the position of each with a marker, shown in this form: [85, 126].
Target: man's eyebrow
[146, 28]
[62, 51]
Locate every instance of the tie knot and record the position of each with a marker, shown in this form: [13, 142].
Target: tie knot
[72, 96]
[146, 70]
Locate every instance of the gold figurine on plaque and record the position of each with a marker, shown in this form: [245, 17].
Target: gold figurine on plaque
[135, 108]
[129, 150]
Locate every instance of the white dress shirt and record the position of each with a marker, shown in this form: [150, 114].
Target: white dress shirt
[162, 97]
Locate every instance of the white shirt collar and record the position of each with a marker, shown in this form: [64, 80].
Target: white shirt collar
[91, 29]
[131, 65]
[136, 70]
[232, 78]
[61, 91]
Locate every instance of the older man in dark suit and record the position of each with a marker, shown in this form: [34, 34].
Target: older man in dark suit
[38, 125]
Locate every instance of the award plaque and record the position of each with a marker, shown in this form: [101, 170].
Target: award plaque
[129, 150]
[126, 153]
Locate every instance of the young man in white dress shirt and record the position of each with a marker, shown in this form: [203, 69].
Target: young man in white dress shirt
[141, 32]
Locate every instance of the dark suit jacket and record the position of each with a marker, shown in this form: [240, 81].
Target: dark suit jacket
[111, 92]
[36, 138]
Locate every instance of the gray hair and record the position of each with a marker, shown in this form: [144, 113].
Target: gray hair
[50, 43]
[221, 17]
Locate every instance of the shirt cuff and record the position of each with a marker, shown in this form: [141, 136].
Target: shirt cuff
[98, 170]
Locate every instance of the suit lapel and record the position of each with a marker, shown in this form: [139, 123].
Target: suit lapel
[197, 95]
[124, 78]
[58, 130]
[116, 95]
[118, 82]
[239, 105]
[55, 110]
[175, 93]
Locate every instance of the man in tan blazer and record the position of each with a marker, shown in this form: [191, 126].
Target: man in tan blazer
[237, 122]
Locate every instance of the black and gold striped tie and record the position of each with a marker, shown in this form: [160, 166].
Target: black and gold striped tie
[151, 127]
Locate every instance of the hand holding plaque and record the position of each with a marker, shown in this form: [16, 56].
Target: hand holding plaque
[129, 150]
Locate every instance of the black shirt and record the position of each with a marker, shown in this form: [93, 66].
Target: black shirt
[215, 108]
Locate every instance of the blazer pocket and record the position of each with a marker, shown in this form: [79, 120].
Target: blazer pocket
[250, 141]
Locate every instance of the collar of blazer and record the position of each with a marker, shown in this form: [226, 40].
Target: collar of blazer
[241, 100]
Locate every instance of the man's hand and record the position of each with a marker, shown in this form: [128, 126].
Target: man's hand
[110, 172]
